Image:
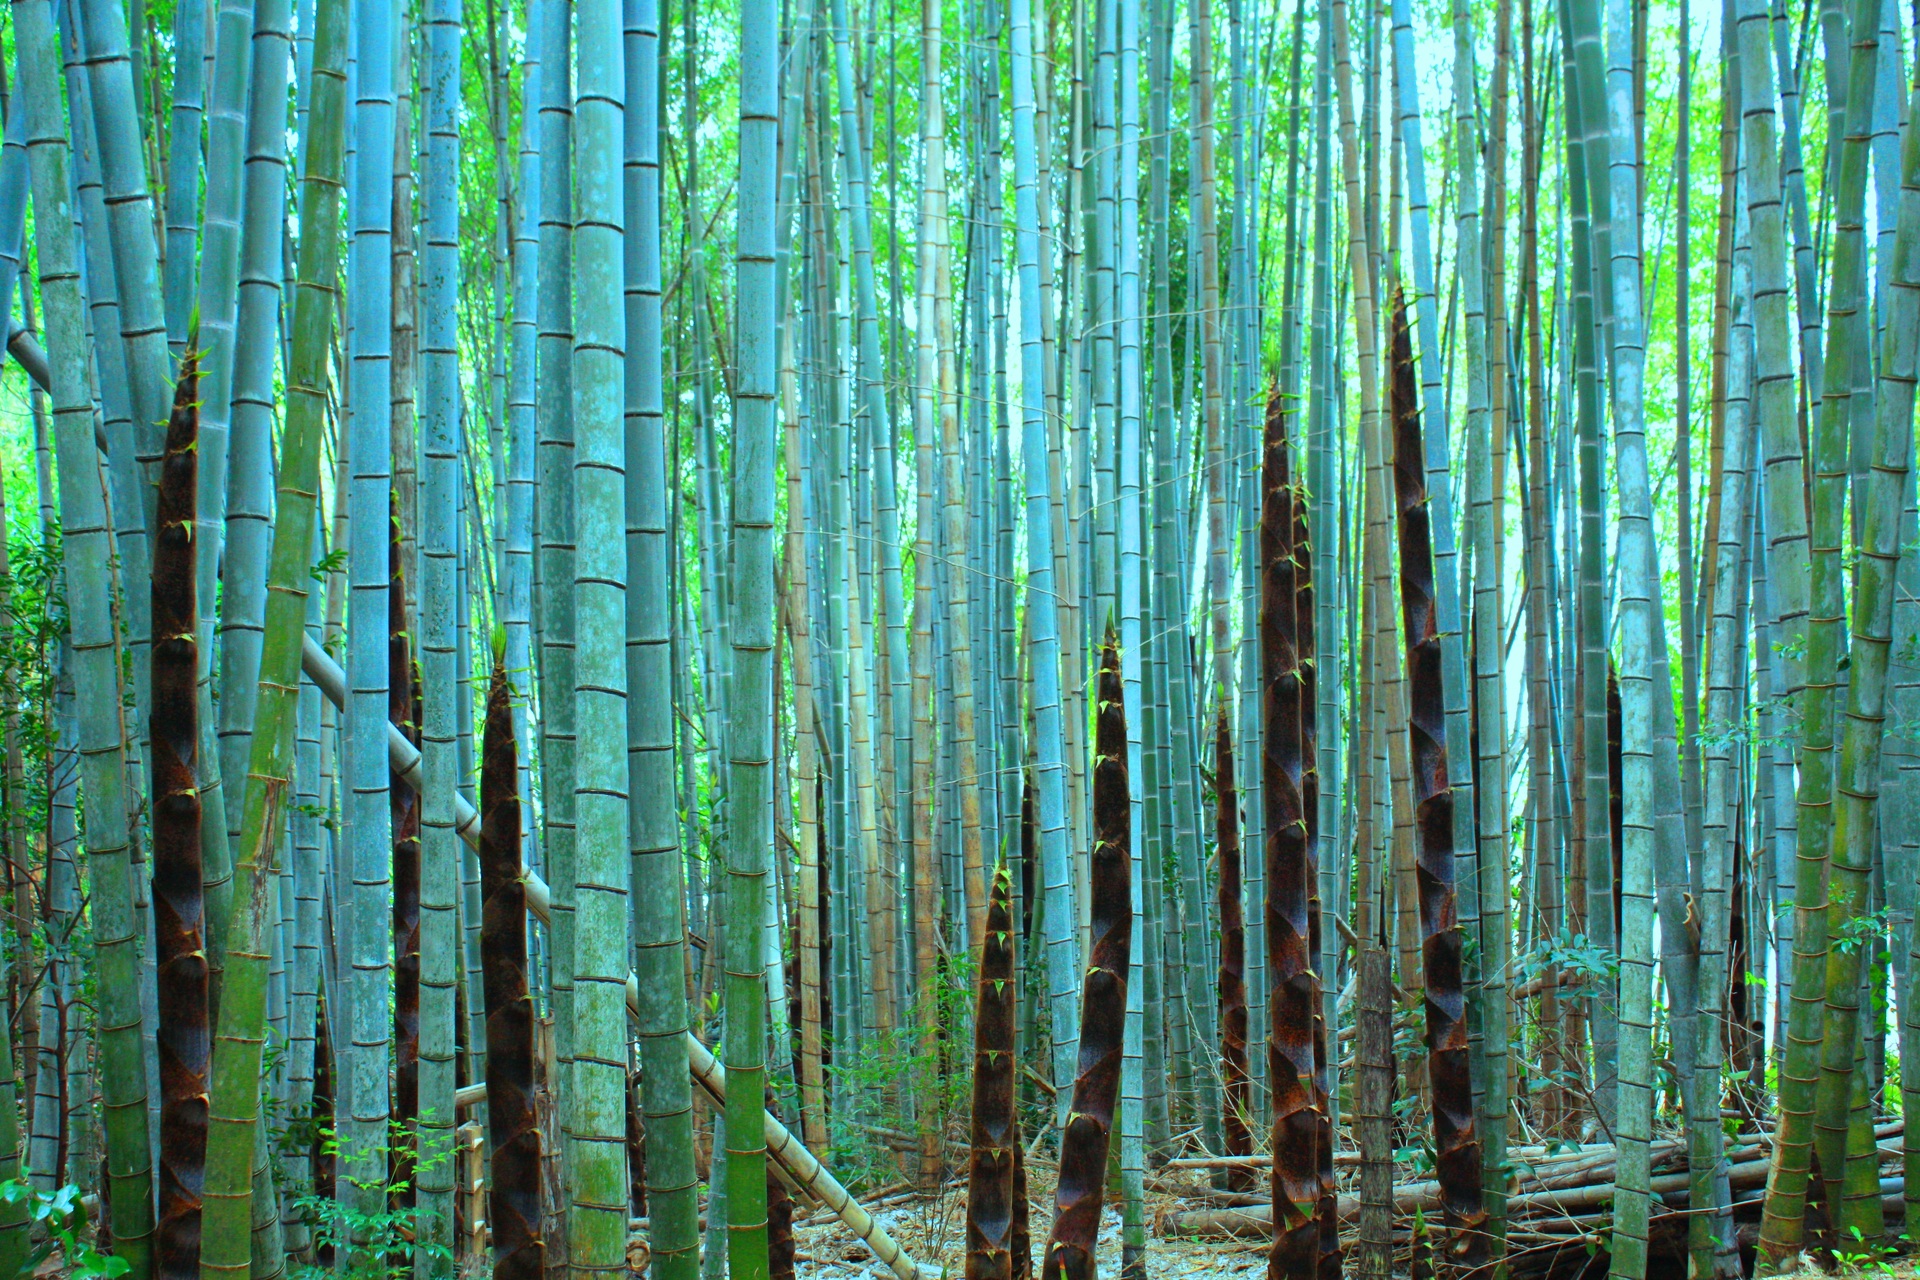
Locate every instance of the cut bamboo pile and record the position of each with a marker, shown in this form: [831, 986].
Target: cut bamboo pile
[1555, 1202]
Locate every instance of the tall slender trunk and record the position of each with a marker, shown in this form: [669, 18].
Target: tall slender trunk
[1043, 631]
[233, 1135]
[656, 867]
[750, 781]
[102, 734]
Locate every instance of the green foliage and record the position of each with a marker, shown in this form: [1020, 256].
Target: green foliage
[1573, 954]
[60, 1220]
[891, 1081]
[380, 1245]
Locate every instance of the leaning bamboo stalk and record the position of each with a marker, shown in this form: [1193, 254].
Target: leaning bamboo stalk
[1456, 1144]
[514, 1176]
[806, 771]
[994, 1134]
[181, 959]
[235, 1094]
[807, 1172]
[782, 1146]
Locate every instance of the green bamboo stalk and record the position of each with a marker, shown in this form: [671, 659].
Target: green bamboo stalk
[749, 734]
[1857, 784]
[231, 1139]
[249, 505]
[367, 990]
[595, 1097]
[102, 736]
[1043, 632]
[123, 170]
[1848, 346]
[440, 600]
[1489, 644]
[237, 582]
[657, 883]
[1711, 1238]
[548, 30]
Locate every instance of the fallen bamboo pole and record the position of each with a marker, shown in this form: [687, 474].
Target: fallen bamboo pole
[1257, 1220]
[799, 1164]
[808, 1172]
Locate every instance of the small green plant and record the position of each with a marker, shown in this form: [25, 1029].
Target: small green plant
[1864, 1258]
[59, 1220]
[382, 1243]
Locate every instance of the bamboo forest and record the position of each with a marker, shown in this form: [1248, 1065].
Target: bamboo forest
[959, 639]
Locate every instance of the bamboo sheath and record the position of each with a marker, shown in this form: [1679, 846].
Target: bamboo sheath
[786, 1150]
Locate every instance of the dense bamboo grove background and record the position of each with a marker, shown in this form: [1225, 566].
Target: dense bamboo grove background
[644, 636]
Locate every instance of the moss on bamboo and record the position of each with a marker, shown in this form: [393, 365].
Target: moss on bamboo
[1103, 1003]
[513, 1183]
[180, 958]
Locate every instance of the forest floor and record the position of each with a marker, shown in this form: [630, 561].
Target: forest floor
[932, 1230]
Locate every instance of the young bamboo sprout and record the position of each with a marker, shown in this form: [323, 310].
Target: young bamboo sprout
[403, 709]
[1237, 1092]
[994, 1135]
[1327, 1199]
[1293, 986]
[1455, 1142]
[1103, 1003]
[513, 1183]
[185, 1048]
